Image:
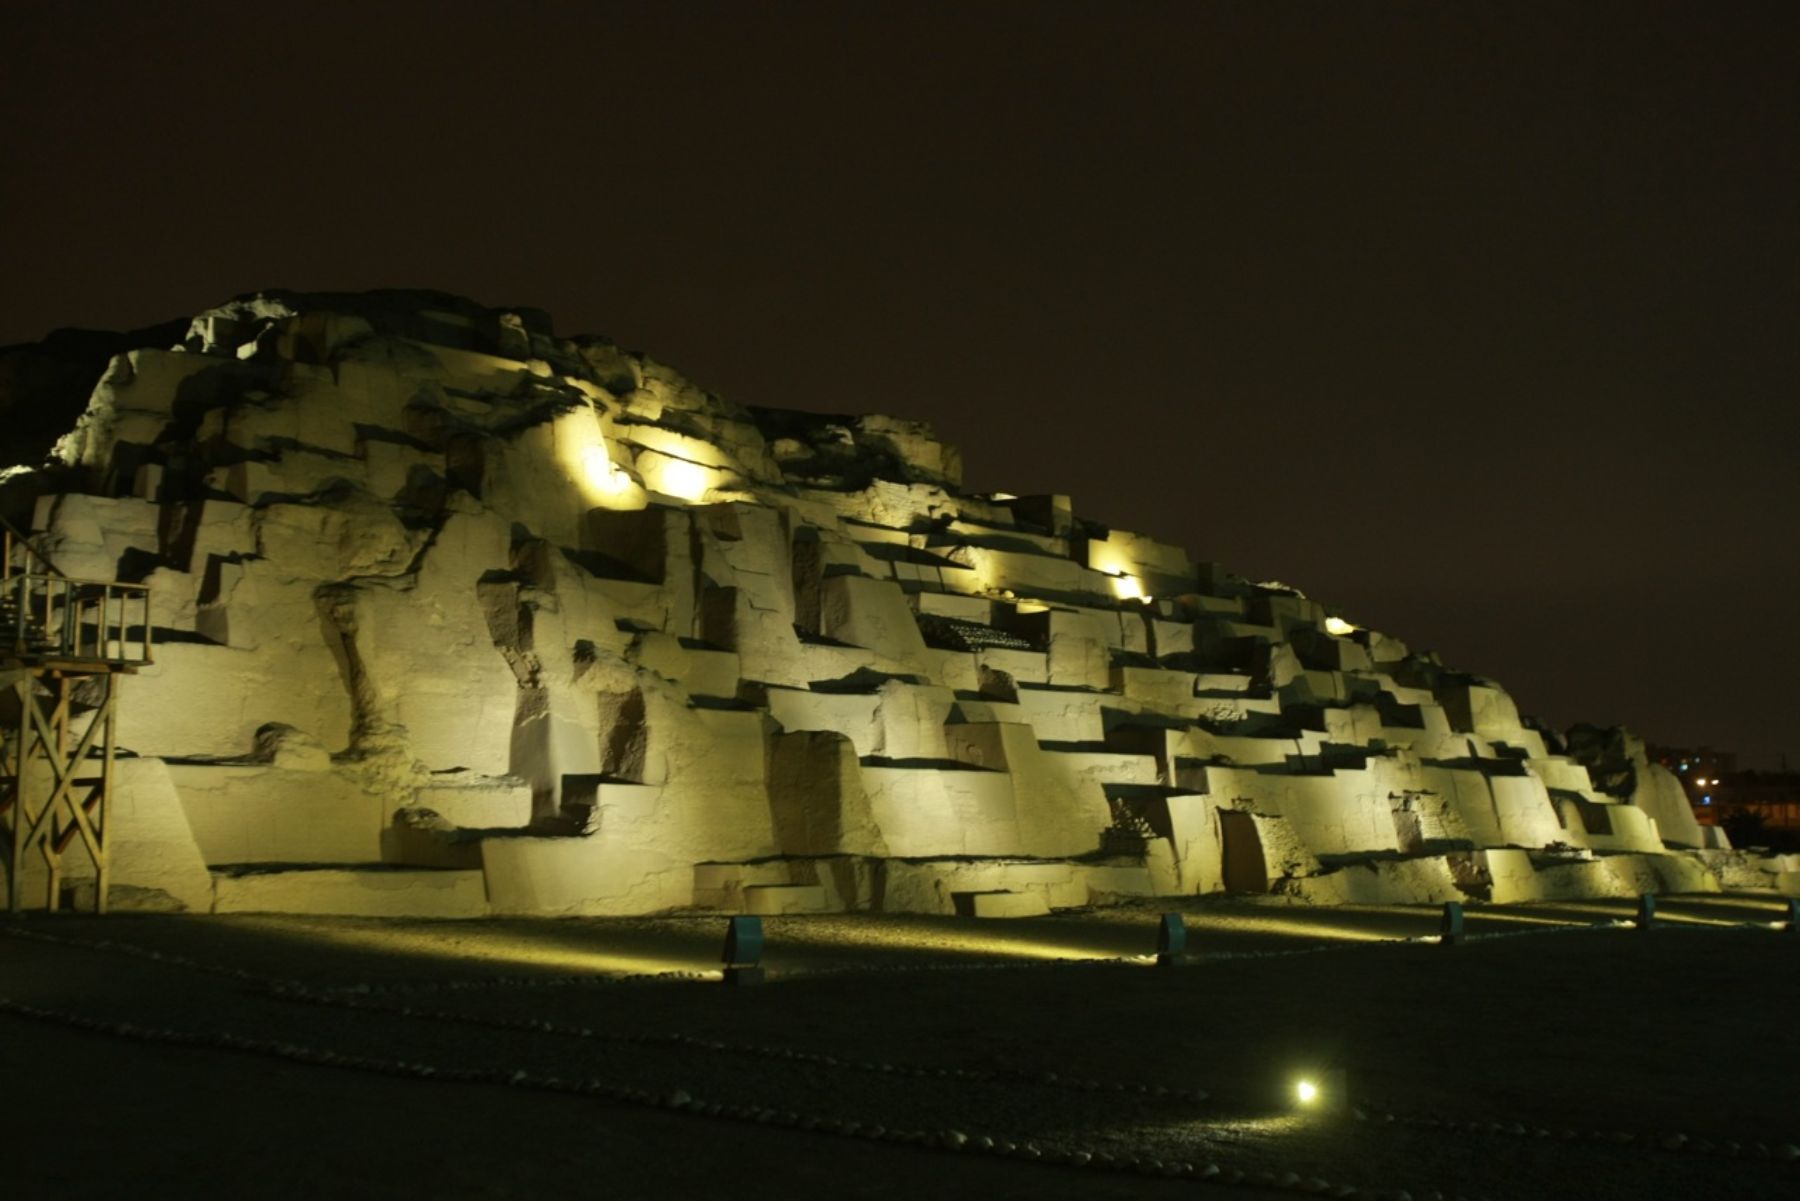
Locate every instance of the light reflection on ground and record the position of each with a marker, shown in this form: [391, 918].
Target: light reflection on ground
[1100, 1060]
[1765, 902]
[495, 948]
[804, 945]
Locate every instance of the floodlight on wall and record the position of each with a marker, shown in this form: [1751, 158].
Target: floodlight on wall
[743, 951]
[1171, 941]
[1337, 627]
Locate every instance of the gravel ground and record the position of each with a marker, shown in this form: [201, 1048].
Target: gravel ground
[1557, 1053]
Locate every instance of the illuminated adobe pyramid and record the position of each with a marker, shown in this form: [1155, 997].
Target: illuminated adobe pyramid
[456, 616]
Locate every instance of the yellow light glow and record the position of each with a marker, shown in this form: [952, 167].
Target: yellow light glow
[960, 937]
[602, 473]
[1767, 905]
[1306, 1091]
[585, 453]
[1322, 928]
[688, 481]
[467, 946]
[1128, 588]
[1030, 606]
[1337, 627]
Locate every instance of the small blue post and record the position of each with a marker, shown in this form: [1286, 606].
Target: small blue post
[1646, 918]
[1451, 926]
[743, 951]
[1793, 912]
[1171, 940]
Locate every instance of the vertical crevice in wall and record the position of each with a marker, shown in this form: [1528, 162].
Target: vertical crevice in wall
[371, 729]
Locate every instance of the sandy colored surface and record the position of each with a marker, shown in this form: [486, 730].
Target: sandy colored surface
[271, 1057]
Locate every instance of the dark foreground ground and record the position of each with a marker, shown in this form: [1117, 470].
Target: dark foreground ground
[1555, 1054]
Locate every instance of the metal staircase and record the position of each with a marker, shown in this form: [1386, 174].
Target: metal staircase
[60, 637]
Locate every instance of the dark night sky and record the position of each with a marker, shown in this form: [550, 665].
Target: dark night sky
[1479, 320]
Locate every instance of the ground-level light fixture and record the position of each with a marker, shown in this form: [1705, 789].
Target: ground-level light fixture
[743, 951]
[1321, 1091]
[1171, 941]
[1450, 927]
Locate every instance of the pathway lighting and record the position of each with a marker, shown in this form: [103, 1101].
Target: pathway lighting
[743, 951]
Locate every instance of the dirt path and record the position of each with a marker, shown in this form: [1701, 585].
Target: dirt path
[510, 1059]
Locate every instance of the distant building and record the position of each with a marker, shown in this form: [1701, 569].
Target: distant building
[1700, 770]
[1724, 796]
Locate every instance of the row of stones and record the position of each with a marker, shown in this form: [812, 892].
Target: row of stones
[348, 997]
[1677, 1141]
[680, 1101]
[790, 1054]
